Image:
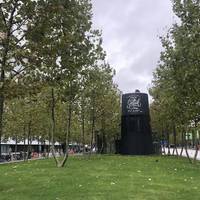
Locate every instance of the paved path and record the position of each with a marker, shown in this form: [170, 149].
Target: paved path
[191, 152]
[17, 161]
[40, 158]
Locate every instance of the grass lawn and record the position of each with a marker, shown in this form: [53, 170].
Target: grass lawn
[102, 178]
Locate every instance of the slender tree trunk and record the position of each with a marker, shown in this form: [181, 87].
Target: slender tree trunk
[193, 139]
[164, 150]
[68, 132]
[186, 148]
[2, 80]
[29, 134]
[104, 143]
[49, 146]
[175, 141]
[163, 136]
[103, 133]
[38, 146]
[2, 77]
[83, 126]
[168, 145]
[15, 145]
[196, 143]
[28, 141]
[1, 118]
[43, 147]
[92, 131]
[6, 47]
[53, 126]
[93, 124]
[182, 143]
[67, 136]
[196, 151]
[24, 156]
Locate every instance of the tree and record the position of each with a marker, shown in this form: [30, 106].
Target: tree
[58, 74]
[69, 47]
[16, 16]
[176, 79]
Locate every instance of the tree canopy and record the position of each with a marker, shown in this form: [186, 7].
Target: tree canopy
[55, 81]
[175, 86]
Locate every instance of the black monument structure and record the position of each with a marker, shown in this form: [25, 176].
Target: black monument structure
[136, 137]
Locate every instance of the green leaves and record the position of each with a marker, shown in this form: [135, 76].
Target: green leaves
[176, 79]
[47, 45]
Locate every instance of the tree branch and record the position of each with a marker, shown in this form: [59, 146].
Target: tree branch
[8, 35]
[22, 23]
[3, 16]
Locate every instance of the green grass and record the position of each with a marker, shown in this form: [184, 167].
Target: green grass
[102, 178]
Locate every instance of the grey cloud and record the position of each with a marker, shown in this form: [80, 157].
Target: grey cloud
[130, 34]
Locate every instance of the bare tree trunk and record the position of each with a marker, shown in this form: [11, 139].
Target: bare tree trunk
[104, 142]
[103, 146]
[24, 149]
[38, 146]
[186, 149]
[1, 115]
[67, 136]
[163, 137]
[6, 47]
[196, 144]
[182, 143]
[175, 141]
[164, 150]
[83, 125]
[92, 131]
[68, 132]
[93, 123]
[53, 126]
[2, 78]
[44, 148]
[15, 145]
[168, 145]
[196, 151]
[193, 139]
[49, 146]
[28, 145]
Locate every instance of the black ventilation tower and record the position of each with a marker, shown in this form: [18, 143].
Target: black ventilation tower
[136, 138]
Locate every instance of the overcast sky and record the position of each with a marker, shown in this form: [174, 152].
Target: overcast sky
[130, 37]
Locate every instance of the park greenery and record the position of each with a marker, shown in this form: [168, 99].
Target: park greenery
[102, 177]
[55, 83]
[56, 86]
[175, 110]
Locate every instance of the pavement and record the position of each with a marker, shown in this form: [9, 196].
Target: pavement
[17, 161]
[191, 152]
